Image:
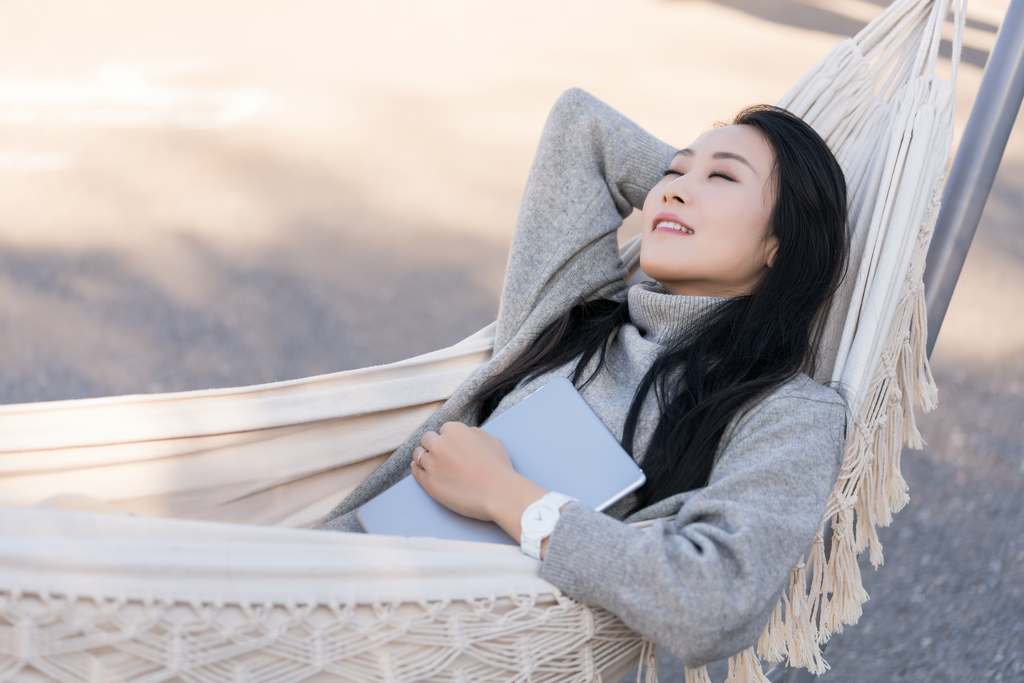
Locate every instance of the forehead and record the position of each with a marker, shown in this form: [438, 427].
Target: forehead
[745, 141]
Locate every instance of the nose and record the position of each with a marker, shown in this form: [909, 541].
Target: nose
[677, 191]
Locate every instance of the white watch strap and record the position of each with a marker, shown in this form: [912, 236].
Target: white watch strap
[557, 499]
[530, 542]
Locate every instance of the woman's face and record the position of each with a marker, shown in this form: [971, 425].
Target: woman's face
[705, 224]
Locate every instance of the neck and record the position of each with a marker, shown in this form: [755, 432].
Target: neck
[708, 289]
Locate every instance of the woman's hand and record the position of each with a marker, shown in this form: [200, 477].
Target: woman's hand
[468, 470]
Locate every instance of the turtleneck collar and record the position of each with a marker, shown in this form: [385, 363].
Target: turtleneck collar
[663, 318]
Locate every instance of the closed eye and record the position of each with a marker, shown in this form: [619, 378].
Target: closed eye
[671, 172]
[722, 175]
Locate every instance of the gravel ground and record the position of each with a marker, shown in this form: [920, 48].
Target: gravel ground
[362, 214]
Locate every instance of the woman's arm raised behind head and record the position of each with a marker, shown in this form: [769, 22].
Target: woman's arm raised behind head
[592, 167]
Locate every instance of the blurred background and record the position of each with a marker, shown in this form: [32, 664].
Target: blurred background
[218, 193]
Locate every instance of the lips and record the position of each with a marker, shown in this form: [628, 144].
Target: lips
[668, 222]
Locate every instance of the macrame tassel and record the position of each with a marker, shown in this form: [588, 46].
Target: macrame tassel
[926, 392]
[896, 489]
[842, 577]
[773, 644]
[909, 380]
[696, 675]
[866, 495]
[901, 409]
[856, 460]
[923, 390]
[816, 597]
[648, 661]
[890, 492]
[917, 378]
[745, 667]
[867, 534]
[802, 645]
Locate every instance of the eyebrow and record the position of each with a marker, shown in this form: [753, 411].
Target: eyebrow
[720, 155]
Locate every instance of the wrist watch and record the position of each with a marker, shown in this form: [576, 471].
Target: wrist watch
[539, 520]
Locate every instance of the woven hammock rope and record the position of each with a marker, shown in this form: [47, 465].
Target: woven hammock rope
[187, 592]
[446, 640]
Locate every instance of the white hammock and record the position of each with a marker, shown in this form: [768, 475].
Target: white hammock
[88, 598]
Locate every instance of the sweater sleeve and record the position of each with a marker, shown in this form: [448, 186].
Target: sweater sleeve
[703, 585]
[592, 167]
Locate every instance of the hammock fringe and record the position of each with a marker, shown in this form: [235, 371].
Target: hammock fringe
[745, 667]
[699, 675]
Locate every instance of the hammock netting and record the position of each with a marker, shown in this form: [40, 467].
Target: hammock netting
[165, 537]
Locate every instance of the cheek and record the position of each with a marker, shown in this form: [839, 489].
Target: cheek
[652, 203]
[650, 209]
[749, 226]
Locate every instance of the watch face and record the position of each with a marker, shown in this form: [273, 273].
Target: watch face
[540, 520]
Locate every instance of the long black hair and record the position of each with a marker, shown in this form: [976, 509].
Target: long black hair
[743, 350]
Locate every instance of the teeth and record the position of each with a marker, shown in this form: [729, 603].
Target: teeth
[674, 226]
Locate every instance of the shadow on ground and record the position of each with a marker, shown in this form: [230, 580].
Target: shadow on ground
[92, 323]
[815, 18]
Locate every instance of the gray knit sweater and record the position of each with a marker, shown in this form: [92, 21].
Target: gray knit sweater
[703, 583]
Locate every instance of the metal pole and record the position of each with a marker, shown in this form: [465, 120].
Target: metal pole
[974, 170]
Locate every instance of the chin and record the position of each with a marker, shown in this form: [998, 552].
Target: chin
[656, 269]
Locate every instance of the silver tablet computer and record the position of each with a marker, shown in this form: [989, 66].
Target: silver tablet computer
[553, 438]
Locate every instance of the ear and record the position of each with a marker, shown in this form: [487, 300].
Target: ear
[771, 248]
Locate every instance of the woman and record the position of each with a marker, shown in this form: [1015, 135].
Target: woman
[702, 374]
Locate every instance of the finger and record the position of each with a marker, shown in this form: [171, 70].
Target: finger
[451, 428]
[429, 438]
[419, 458]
